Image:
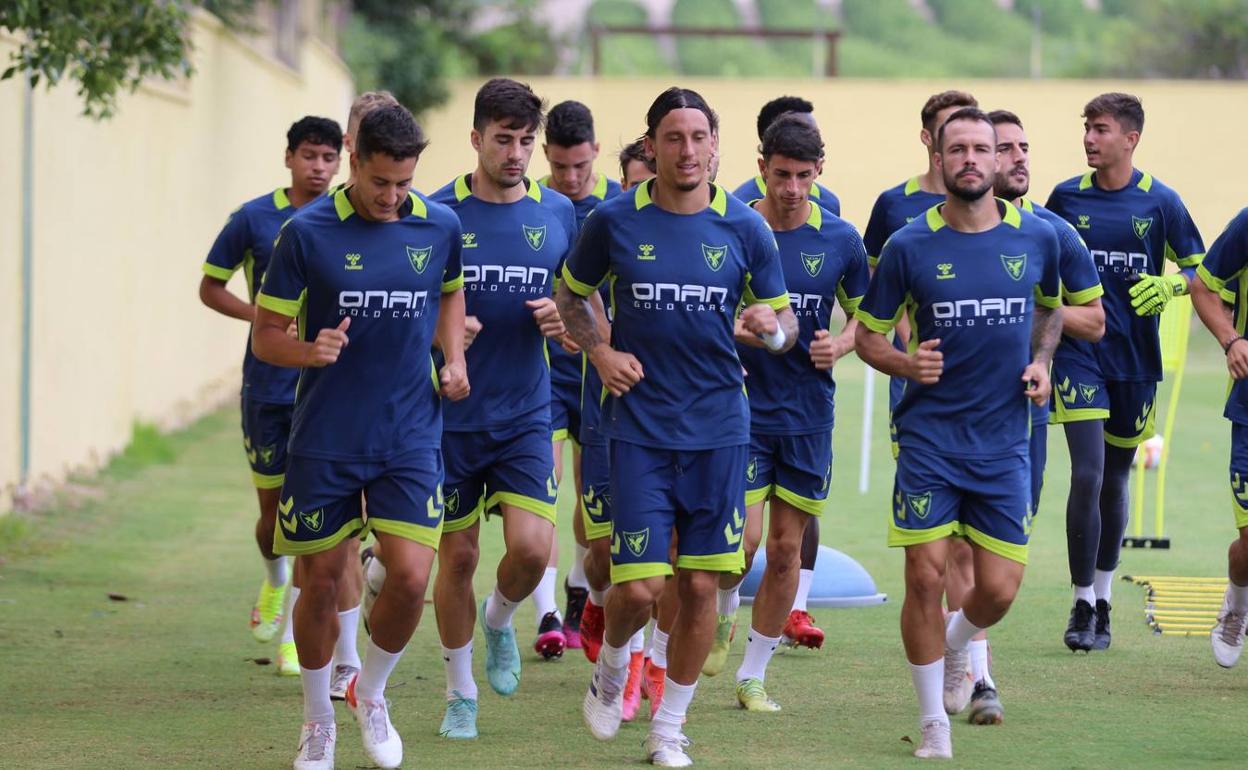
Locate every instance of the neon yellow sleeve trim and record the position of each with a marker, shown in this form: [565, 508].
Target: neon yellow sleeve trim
[848, 304]
[1191, 260]
[577, 287]
[775, 303]
[1083, 297]
[873, 261]
[878, 325]
[455, 284]
[1045, 301]
[1211, 281]
[286, 307]
[218, 272]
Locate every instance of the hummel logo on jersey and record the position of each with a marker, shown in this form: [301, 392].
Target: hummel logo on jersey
[535, 236]
[469, 240]
[920, 504]
[945, 271]
[645, 252]
[419, 258]
[751, 470]
[714, 255]
[1084, 221]
[1015, 266]
[353, 262]
[813, 263]
[313, 520]
[283, 508]
[637, 541]
[1141, 226]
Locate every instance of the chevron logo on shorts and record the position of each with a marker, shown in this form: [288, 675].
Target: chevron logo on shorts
[1239, 488]
[1067, 391]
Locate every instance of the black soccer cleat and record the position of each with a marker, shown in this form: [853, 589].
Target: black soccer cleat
[1079, 633]
[576, 598]
[1102, 625]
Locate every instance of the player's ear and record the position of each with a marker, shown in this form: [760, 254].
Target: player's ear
[819, 167]
[762, 168]
[475, 139]
[1133, 139]
[925, 137]
[595, 151]
[289, 157]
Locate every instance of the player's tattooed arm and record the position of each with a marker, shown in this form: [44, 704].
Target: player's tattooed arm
[1046, 332]
[618, 371]
[578, 318]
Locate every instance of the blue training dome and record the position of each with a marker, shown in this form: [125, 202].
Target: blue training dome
[839, 581]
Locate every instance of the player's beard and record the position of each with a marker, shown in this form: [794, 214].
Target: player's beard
[1007, 188]
[969, 194]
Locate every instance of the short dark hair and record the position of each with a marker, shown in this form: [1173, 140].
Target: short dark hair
[635, 151]
[792, 136]
[568, 124]
[997, 117]
[777, 107]
[966, 113]
[314, 130]
[676, 98]
[508, 102]
[1127, 109]
[943, 101]
[390, 129]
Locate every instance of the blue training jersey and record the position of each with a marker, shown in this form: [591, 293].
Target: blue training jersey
[976, 293]
[512, 253]
[824, 262]
[246, 243]
[1223, 269]
[894, 209]
[676, 281]
[380, 398]
[1080, 285]
[756, 189]
[1128, 232]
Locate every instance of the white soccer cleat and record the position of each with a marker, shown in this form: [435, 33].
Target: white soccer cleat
[316, 747]
[664, 751]
[937, 742]
[338, 682]
[381, 743]
[371, 592]
[959, 684]
[1227, 636]
[603, 705]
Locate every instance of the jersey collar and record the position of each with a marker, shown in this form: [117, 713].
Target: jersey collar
[912, 186]
[1145, 181]
[719, 197]
[1009, 215]
[413, 206]
[280, 200]
[463, 188]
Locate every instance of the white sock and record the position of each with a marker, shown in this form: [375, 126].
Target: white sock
[599, 598]
[979, 662]
[288, 630]
[671, 713]
[376, 670]
[650, 637]
[1086, 593]
[576, 573]
[804, 578]
[459, 672]
[317, 707]
[544, 595]
[959, 631]
[1239, 597]
[499, 609]
[658, 648]
[345, 653]
[276, 570]
[1103, 584]
[615, 659]
[729, 600]
[758, 652]
[638, 642]
[375, 574]
[929, 685]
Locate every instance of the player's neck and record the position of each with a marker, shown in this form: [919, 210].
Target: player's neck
[673, 199]
[484, 188]
[975, 216]
[299, 198]
[781, 220]
[1114, 177]
[932, 181]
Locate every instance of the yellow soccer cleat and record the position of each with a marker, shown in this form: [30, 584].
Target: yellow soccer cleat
[752, 697]
[266, 615]
[287, 659]
[725, 629]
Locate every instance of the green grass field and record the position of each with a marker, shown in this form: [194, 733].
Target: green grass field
[166, 678]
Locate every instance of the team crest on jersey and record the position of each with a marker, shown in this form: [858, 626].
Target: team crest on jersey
[1088, 392]
[1015, 266]
[419, 258]
[266, 454]
[1141, 226]
[920, 504]
[714, 255]
[751, 470]
[636, 542]
[313, 520]
[535, 236]
[813, 263]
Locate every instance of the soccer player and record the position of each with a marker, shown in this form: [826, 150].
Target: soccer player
[1131, 223]
[571, 150]
[1082, 318]
[1222, 268]
[756, 188]
[246, 242]
[375, 281]
[681, 254]
[791, 396]
[635, 166]
[497, 442]
[986, 317]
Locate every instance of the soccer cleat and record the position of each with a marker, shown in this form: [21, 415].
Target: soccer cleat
[460, 722]
[632, 687]
[576, 598]
[316, 746]
[287, 659]
[266, 614]
[550, 639]
[937, 743]
[593, 624]
[603, 704]
[652, 680]
[1227, 636]
[502, 656]
[664, 751]
[725, 629]
[986, 707]
[1079, 634]
[752, 697]
[381, 743]
[342, 677]
[370, 596]
[959, 684]
[1103, 609]
[800, 630]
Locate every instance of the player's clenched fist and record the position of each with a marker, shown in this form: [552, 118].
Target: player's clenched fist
[546, 315]
[472, 327]
[759, 320]
[454, 380]
[328, 345]
[618, 371]
[824, 350]
[1036, 385]
[927, 363]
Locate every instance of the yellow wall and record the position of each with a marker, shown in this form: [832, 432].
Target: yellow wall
[124, 212]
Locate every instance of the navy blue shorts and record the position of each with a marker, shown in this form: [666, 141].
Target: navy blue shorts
[565, 394]
[266, 431]
[1038, 454]
[796, 469]
[1132, 406]
[1239, 474]
[1079, 391]
[485, 469]
[596, 496]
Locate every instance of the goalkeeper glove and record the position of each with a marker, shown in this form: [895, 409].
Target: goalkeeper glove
[1151, 293]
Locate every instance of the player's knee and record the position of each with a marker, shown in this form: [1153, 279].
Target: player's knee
[635, 593]
[530, 555]
[320, 585]
[997, 596]
[784, 555]
[406, 585]
[697, 584]
[925, 578]
[458, 561]
[1085, 481]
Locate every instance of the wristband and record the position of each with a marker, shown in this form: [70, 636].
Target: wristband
[776, 339]
[1227, 347]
